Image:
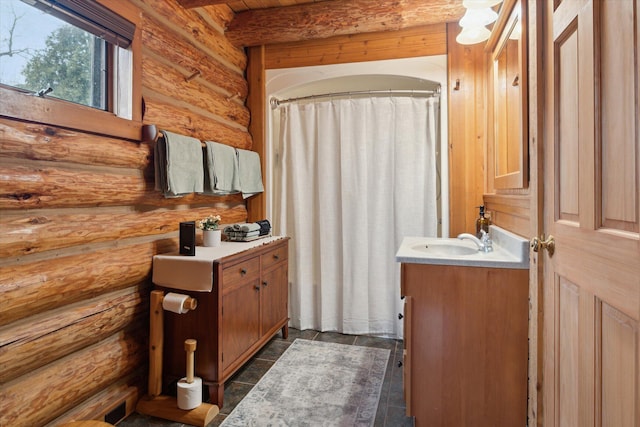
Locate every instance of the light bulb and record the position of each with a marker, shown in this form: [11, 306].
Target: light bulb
[478, 17]
[473, 35]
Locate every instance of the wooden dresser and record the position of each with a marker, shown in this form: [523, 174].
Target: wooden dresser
[246, 307]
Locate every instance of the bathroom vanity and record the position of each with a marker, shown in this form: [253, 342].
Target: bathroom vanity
[242, 307]
[465, 331]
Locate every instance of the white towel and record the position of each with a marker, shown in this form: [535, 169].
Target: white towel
[250, 173]
[178, 165]
[221, 176]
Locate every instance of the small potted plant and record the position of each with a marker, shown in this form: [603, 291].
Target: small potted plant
[210, 231]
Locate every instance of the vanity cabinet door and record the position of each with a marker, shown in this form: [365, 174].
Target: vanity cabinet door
[274, 298]
[406, 355]
[240, 320]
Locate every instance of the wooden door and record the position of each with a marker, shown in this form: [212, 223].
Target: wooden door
[591, 207]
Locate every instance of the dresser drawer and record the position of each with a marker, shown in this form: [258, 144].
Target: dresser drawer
[240, 271]
[274, 256]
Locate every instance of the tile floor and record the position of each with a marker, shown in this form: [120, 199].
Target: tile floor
[391, 408]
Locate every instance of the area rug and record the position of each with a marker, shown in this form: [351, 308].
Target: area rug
[316, 384]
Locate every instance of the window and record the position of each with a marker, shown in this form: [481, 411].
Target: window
[44, 54]
[59, 56]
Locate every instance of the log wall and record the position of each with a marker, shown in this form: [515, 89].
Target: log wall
[80, 222]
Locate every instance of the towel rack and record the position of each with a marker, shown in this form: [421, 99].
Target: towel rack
[150, 134]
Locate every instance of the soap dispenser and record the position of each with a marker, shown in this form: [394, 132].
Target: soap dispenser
[482, 223]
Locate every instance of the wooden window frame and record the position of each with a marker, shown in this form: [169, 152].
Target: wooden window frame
[17, 104]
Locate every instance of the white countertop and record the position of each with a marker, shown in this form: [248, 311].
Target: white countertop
[509, 251]
[195, 273]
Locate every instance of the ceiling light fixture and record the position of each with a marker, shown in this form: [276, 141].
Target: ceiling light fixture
[473, 35]
[478, 15]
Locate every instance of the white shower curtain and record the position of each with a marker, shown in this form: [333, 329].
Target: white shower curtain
[353, 177]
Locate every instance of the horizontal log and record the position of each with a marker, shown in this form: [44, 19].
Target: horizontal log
[27, 187]
[217, 15]
[68, 329]
[44, 394]
[31, 187]
[33, 288]
[192, 27]
[413, 42]
[325, 19]
[129, 390]
[171, 82]
[39, 232]
[24, 140]
[159, 39]
[176, 119]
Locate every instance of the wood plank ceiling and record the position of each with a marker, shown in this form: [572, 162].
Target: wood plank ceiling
[261, 22]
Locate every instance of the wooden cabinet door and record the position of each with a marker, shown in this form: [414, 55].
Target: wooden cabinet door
[274, 298]
[240, 320]
[591, 346]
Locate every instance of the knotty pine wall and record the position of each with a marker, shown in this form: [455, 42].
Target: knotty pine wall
[80, 222]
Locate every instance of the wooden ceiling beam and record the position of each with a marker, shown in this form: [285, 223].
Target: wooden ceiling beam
[189, 4]
[336, 18]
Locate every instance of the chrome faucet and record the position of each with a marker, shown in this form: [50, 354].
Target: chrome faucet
[485, 244]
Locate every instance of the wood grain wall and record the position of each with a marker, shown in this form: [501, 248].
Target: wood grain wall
[467, 141]
[80, 222]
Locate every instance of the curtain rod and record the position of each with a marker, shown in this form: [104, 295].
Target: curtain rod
[275, 102]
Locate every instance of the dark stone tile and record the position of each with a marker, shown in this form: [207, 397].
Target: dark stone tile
[217, 420]
[386, 383]
[139, 420]
[336, 338]
[308, 334]
[396, 397]
[253, 371]
[381, 415]
[377, 342]
[273, 350]
[234, 392]
[396, 418]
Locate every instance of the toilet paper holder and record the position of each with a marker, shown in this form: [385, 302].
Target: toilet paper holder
[158, 405]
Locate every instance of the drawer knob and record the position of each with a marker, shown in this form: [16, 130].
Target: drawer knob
[265, 283]
[256, 287]
[400, 316]
[243, 272]
[276, 257]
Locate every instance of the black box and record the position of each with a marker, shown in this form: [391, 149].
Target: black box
[188, 238]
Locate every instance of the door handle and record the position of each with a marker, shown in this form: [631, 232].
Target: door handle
[549, 244]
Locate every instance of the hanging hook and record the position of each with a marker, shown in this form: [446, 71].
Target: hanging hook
[457, 86]
[192, 76]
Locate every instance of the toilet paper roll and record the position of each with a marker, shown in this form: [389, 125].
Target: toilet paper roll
[189, 394]
[175, 303]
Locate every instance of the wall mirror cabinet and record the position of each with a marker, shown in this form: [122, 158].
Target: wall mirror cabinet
[508, 71]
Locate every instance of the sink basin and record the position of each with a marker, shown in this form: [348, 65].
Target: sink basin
[509, 251]
[445, 249]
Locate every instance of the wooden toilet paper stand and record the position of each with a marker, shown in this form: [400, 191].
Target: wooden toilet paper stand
[155, 404]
